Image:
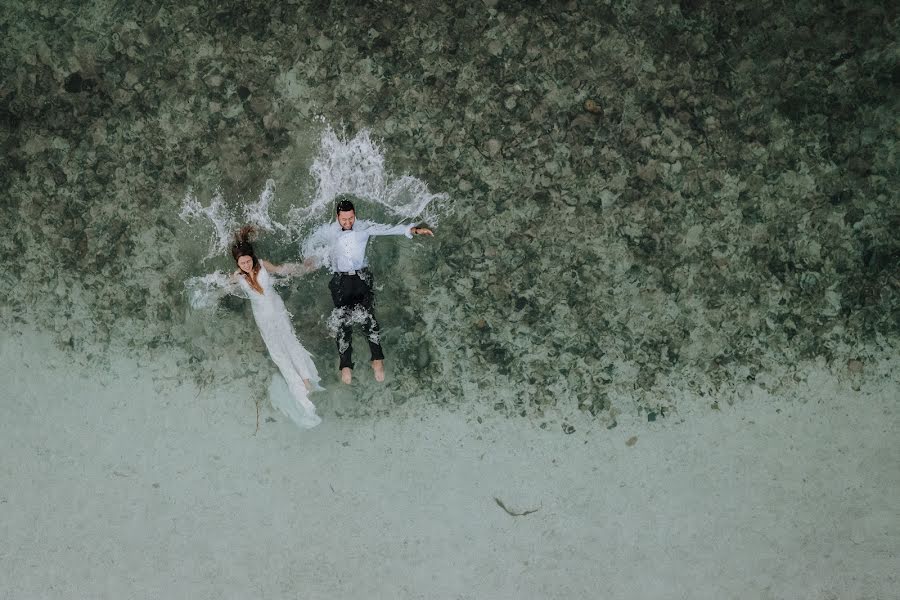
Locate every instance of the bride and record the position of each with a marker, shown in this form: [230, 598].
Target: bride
[274, 322]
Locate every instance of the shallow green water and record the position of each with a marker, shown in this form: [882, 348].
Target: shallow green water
[645, 199]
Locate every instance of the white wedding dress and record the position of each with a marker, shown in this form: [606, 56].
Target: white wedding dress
[292, 359]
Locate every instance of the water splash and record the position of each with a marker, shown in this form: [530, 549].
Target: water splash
[353, 166]
[217, 213]
[356, 166]
[347, 317]
[205, 291]
[258, 212]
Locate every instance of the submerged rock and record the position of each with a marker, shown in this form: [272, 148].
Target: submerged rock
[423, 356]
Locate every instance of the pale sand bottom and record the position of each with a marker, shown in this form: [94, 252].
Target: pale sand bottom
[110, 489]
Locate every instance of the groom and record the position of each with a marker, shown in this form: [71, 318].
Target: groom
[343, 246]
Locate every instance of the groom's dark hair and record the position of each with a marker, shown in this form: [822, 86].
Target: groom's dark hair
[343, 206]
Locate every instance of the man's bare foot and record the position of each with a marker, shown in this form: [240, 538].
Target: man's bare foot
[346, 374]
[378, 367]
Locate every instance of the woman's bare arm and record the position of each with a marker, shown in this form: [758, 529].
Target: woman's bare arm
[273, 268]
[288, 269]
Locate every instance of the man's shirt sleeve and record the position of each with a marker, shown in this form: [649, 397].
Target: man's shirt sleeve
[373, 229]
[319, 245]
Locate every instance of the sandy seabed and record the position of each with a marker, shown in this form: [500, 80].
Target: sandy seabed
[112, 487]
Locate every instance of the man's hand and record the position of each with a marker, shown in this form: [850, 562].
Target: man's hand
[421, 231]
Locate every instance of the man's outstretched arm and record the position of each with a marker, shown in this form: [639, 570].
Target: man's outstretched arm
[376, 229]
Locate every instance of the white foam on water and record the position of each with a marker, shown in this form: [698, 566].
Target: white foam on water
[356, 166]
[353, 166]
[205, 291]
[409, 197]
[258, 212]
[349, 316]
[217, 213]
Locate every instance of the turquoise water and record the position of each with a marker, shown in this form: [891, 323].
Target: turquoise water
[643, 200]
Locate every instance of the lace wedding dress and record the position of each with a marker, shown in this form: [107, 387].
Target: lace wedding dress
[291, 358]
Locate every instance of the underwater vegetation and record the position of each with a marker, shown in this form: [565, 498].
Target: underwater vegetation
[647, 198]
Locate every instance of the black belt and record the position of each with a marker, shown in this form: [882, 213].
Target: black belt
[357, 272]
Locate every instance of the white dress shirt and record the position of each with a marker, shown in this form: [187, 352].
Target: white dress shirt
[345, 251]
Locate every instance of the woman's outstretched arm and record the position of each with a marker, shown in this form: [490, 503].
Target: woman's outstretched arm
[287, 269]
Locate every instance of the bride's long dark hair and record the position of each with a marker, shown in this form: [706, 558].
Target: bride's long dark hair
[243, 247]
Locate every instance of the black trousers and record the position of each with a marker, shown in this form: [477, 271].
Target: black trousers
[354, 303]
